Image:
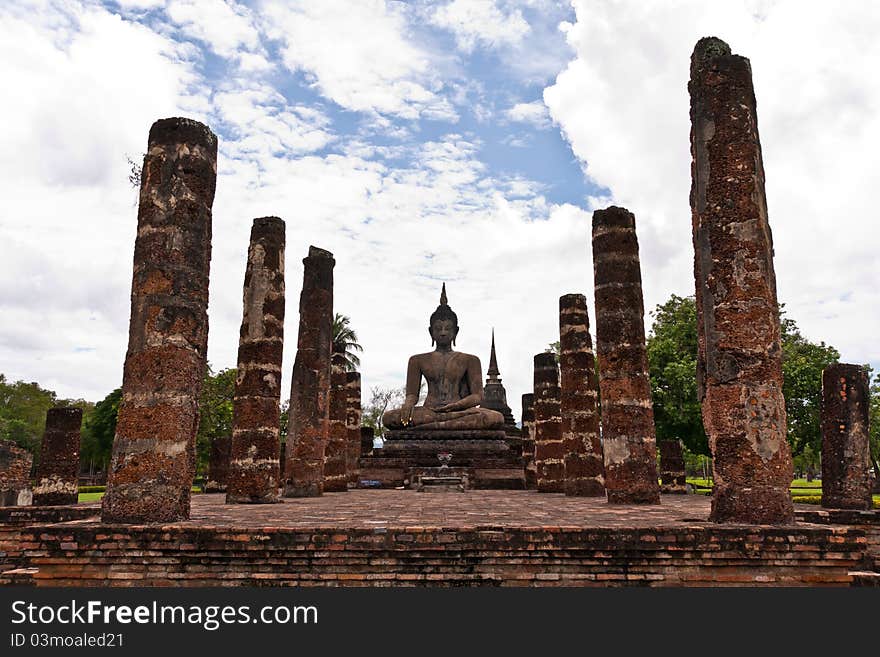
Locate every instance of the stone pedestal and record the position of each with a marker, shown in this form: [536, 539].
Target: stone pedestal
[254, 465]
[336, 454]
[15, 475]
[846, 456]
[154, 452]
[739, 366]
[310, 385]
[58, 471]
[672, 473]
[484, 457]
[549, 451]
[584, 469]
[628, 436]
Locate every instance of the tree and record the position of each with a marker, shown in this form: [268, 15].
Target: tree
[672, 365]
[802, 365]
[99, 429]
[23, 409]
[345, 342]
[554, 348]
[380, 399]
[215, 411]
[874, 425]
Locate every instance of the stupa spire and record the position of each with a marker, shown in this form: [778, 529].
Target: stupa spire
[493, 372]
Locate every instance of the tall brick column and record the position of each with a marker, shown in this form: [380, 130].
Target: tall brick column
[368, 435]
[310, 385]
[739, 368]
[154, 451]
[219, 462]
[846, 456]
[336, 454]
[254, 467]
[15, 475]
[672, 473]
[628, 437]
[549, 452]
[58, 470]
[528, 440]
[353, 416]
[584, 469]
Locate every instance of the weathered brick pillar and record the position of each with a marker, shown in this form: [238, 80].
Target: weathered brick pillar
[368, 434]
[58, 470]
[549, 452]
[219, 465]
[336, 453]
[528, 440]
[846, 457]
[154, 451]
[584, 469]
[15, 475]
[739, 367]
[353, 415]
[672, 474]
[310, 385]
[628, 437]
[254, 468]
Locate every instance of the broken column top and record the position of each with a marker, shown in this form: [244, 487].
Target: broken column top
[180, 130]
[66, 418]
[613, 217]
[545, 359]
[315, 252]
[709, 48]
[269, 223]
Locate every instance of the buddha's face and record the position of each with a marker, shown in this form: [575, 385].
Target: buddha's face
[443, 332]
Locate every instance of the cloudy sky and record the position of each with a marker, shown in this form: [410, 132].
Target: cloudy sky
[420, 142]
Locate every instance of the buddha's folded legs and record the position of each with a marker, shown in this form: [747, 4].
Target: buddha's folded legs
[426, 419]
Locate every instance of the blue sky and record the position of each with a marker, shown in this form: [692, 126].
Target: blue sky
[464, 141]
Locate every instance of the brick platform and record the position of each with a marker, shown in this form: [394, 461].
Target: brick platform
[391, 538]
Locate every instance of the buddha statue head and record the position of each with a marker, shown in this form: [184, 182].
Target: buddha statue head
[443, 325]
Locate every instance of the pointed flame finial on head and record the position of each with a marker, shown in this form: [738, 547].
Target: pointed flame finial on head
[443, 301]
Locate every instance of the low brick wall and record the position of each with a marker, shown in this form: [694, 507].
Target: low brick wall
[91, 554]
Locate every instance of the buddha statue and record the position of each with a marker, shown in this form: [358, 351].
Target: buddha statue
[455, 385]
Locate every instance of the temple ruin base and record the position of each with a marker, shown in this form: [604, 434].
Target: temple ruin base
[406, 538]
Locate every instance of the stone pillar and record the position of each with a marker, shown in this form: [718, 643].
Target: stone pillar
[353, 424]
[219, 463]
[154, 451]
[672, 474]
[15, 475]
[549, 453]
[846, 456]
[739, 366]
[310, 385]
[584, 469]
[368, 434]
[528, 440]
[628, 438]
[254, 469]
[336, 454]
[58, 471]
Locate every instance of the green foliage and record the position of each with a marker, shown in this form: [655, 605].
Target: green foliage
[215, 411]
[99, 428]
[802, 365]
[874, 420]
[345, 342]
[23, 409]
[672, 364]
[554, 348]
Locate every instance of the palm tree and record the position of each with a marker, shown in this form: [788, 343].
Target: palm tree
[345, 342]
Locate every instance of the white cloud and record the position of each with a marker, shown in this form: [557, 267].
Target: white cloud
[359, 56]
[623, 105]
[534, 113]
[481, 23]
[227, 27]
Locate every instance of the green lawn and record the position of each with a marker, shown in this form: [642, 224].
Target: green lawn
[802, 491]
[94, 497]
